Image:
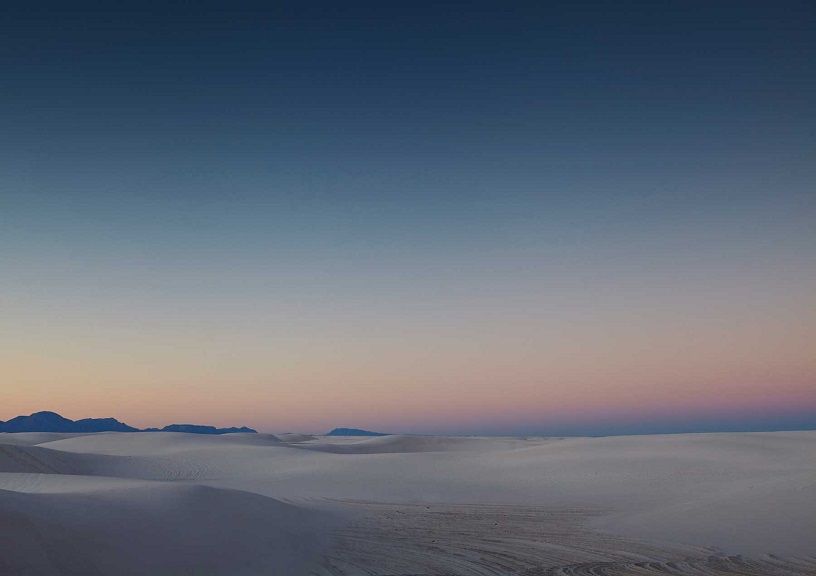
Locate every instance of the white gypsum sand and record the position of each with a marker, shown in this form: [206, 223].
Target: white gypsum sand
[170, 503]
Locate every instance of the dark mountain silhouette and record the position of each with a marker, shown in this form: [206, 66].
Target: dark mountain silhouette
[102, 425]
[53, 422]
[199, 429]
[37, 422]
[354, 432]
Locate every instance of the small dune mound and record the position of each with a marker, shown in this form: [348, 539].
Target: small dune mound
[252, 439]
[36, 460]
[155, 443]
[397, 444]
[33, 438]
[291, 438]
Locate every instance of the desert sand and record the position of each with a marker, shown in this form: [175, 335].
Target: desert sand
[291, 504]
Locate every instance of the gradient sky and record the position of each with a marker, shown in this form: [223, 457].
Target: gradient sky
[576, 218]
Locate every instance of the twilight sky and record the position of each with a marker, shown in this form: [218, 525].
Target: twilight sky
[459, 217]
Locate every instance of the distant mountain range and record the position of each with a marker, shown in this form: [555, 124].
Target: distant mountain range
[53, 422]
[199, 429]
[354, 432]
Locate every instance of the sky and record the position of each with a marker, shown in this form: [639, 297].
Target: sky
[446, 217]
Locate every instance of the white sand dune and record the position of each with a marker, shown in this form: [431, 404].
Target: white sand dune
[151, 443]
[299, 504]
[24, 458]
[126, 527]
[33, 438]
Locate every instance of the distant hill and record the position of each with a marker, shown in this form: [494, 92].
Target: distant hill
[354, 432]
[198, 429]
[102, 425]
[53, 422]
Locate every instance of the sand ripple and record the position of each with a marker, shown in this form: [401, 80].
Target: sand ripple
[484, 540]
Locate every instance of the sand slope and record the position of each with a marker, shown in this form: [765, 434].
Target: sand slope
[93, 527]
[299, 504]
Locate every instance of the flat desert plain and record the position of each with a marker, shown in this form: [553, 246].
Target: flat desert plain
[259, 504]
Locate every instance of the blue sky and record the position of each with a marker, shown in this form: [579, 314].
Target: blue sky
[508, 215]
